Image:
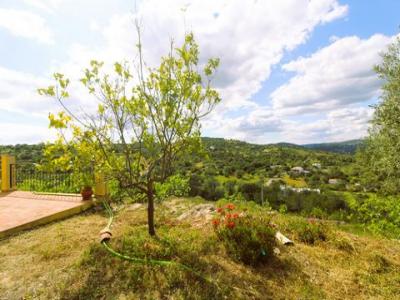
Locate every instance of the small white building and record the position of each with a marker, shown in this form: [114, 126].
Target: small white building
[275, 167]
[297, 169]
[333, 181]
[299, 190]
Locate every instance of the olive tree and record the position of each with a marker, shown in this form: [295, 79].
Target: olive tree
[146, 119]
[380, 159]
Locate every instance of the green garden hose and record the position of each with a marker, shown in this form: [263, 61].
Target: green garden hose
[104, 242]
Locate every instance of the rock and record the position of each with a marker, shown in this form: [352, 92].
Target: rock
[201, 211]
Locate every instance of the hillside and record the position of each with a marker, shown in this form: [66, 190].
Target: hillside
[231, 159]
[64, 260]
[340, 147]
[26, 152]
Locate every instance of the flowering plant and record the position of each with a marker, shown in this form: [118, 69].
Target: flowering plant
[226, 216]
[247, 238]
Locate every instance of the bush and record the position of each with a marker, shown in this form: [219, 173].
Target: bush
[212, 190]
[246, 238]
[380, 213]
[176, 185]
[308, 203]
[283, 208]
[230, 187]
[250, 191]
[317, 212]
[195, 184]
[309, 231]
[116, 193]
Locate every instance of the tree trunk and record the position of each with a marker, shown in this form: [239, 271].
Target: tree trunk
[150, 211]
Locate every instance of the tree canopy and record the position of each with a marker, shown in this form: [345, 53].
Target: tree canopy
[380, 159]
[145, 120]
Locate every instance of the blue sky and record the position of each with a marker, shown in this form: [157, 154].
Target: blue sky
[293, 70]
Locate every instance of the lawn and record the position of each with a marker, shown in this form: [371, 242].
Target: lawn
[64, 260]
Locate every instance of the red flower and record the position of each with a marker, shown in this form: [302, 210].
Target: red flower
[230, 224]
[235, 215]
[230, 206]
[220, 210]
[215, 222]
[228, 216]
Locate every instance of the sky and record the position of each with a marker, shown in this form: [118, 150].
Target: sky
[298, 71]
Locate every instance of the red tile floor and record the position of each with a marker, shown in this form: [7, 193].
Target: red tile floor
[19, 208]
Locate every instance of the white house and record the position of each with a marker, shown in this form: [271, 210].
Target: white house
[297, 169]
[333, 181]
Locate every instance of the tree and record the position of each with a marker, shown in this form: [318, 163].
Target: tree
[145, 122]
[380, 159]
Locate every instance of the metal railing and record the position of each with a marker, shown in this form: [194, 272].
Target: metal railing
[30, 178]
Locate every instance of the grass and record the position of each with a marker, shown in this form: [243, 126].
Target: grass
[65, 261]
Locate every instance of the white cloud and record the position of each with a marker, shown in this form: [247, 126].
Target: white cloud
[248, 36]
[337, 75]
[25, 24]
[16, 133]
[255, 126]
[339, 125]
[323, 101]
[48, 6]
[18, 93]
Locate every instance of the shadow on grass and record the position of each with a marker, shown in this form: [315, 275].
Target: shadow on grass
[99, 275]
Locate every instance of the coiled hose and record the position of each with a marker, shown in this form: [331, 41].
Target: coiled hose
[105, 236]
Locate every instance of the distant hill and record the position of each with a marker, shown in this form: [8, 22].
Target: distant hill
[345, 147]
[229, 156]
[340, 147]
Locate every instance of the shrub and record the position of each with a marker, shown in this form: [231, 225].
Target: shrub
[380, 213]
[250, 191]
[230, 187]
[115, 192]
[283, 208]
[212, 190]
[317, 212]
[239, 173]
[195, 184]
[246, 238]
[176, 185]
[309, 231]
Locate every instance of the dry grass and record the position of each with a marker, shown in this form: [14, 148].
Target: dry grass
[64, 260]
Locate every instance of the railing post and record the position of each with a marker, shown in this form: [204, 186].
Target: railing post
[100, 189]
[8, 175]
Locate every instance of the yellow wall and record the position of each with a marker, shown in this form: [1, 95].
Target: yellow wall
[100, 189]
[6, 161]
